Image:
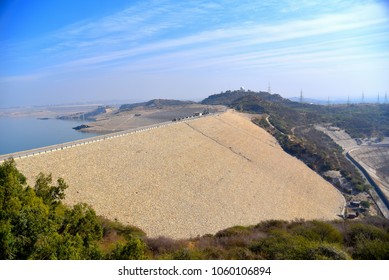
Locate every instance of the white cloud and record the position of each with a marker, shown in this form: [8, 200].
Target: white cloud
[297, 36]
[147, 40]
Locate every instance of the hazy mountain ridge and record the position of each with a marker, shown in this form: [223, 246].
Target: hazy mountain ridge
[155, 103]
[91, 115]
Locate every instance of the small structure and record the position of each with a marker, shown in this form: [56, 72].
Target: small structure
[352, 215]
[355, 203]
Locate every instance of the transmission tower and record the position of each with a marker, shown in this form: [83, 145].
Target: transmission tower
[386, 97]
[301, 96]
[363, 97]
[269, 88]
[348, 100]
[378, 98]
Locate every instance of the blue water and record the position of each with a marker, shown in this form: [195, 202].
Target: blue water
[19, 134]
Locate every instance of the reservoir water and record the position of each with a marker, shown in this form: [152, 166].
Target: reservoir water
[19, 134]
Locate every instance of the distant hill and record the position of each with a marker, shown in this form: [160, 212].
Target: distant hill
[229, 97]
[249, 103]
[155, 103]
[91, 116]
[262, 102]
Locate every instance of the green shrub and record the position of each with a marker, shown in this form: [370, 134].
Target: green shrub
[81, 220]
[133, 249]
[187, 254]
[328, 252]
[282, 246]
[359, 231]
[294, 247]
[367, 249]
[233, 231]
[240, 253]
[265, 226]
[34, 224]
[319, 231]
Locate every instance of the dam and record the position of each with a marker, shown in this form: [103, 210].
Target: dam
[189, 178]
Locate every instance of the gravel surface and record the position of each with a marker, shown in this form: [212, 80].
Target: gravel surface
[191, 178]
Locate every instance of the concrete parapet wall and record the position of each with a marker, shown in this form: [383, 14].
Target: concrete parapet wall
[76, 143]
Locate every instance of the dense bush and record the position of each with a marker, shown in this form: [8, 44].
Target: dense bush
[133, 249]
[296, 247]
[35, 224]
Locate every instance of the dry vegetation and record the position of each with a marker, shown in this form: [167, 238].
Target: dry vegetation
[191, 178]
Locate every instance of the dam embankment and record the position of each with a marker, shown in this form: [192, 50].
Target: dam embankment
[190, 178]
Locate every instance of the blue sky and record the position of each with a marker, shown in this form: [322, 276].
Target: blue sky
[67, 51]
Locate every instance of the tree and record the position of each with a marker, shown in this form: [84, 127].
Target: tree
[23, 215]
[51, 195]
[11, 186]
[365, 204]
[82, 221]
[34, 224]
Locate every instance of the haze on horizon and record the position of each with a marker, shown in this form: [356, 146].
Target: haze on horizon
[63, 51]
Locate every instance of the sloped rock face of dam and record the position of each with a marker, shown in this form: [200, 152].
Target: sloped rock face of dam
[190, 178]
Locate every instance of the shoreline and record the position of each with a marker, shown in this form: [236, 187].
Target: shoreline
[76, 143]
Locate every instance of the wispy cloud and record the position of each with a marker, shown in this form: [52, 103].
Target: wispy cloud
[219, 42]
[174, 37]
